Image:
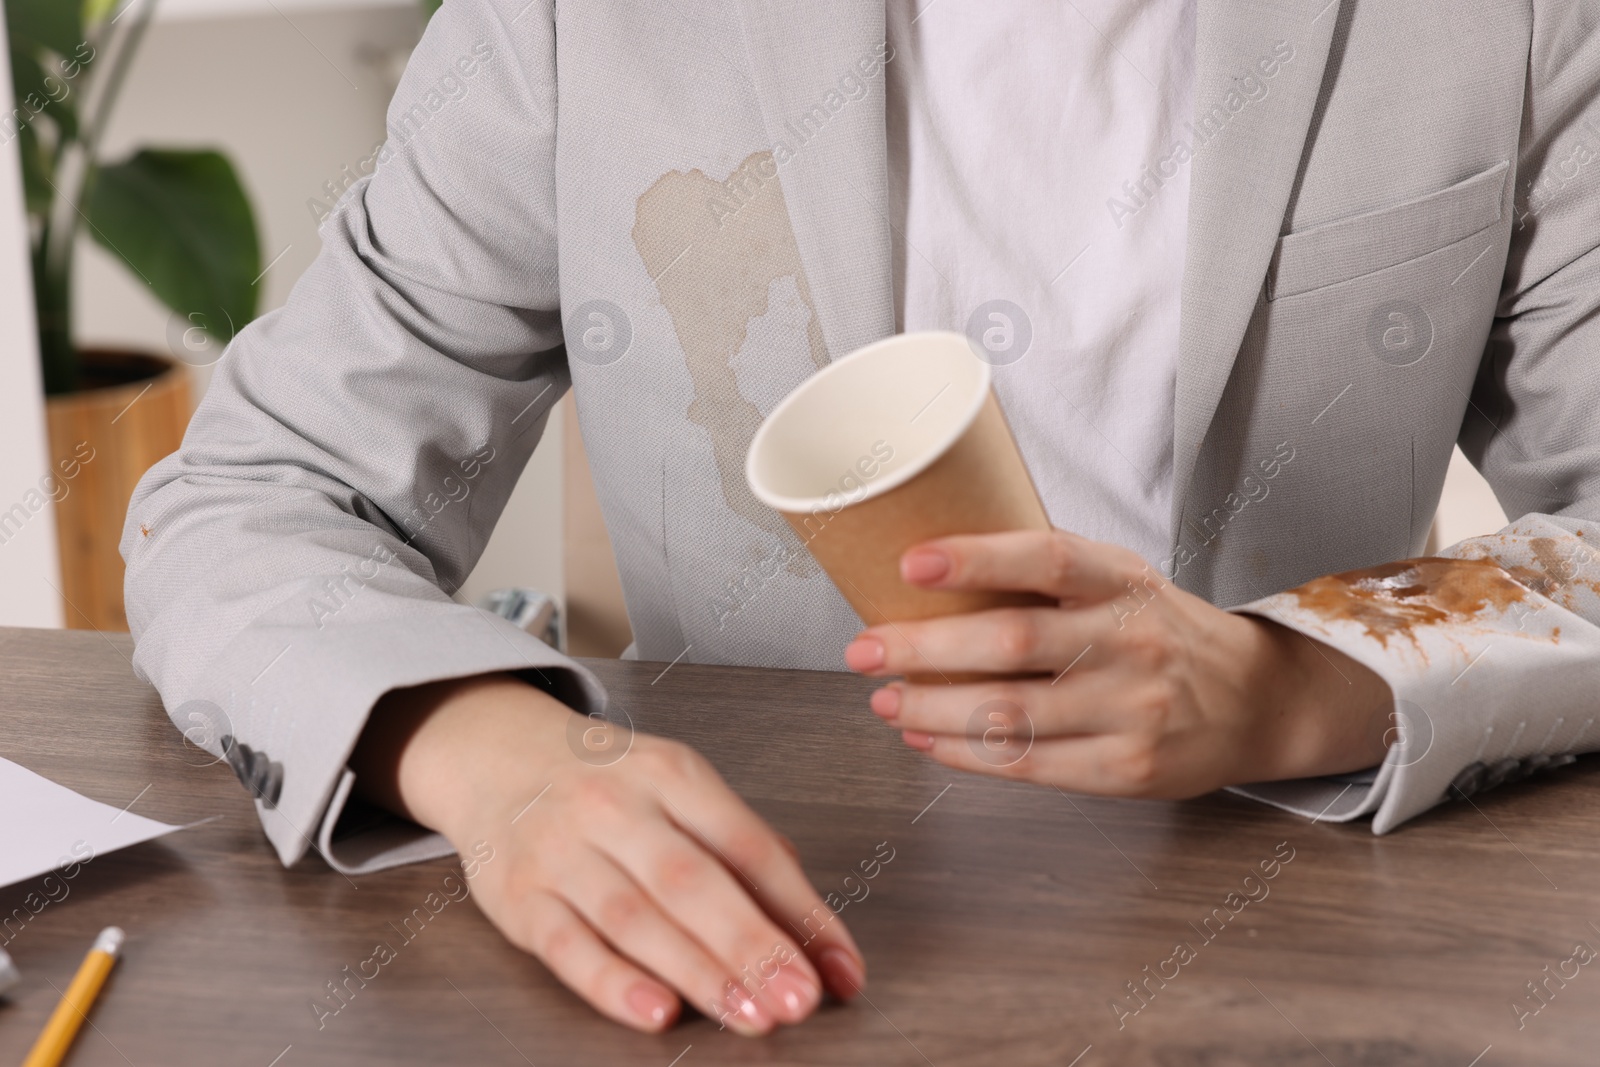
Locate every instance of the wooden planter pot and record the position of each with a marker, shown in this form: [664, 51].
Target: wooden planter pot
[131, 413]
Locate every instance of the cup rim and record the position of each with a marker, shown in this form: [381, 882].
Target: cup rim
[803, 504]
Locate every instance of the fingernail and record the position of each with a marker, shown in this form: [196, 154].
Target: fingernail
[797, 993]
[841, 971]
[886, 702]
[919, 741]
[747, 1014]
[651, 1003]
[864, 654]
[924, 565]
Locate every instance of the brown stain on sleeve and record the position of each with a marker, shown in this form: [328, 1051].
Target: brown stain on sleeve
[1395, 599]
[1558, 570]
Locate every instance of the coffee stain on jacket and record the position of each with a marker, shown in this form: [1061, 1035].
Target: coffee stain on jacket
[714, 250]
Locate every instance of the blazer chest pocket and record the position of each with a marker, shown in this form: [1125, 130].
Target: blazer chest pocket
[1349, 248]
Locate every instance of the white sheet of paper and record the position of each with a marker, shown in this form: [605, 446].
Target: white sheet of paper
[41, 821]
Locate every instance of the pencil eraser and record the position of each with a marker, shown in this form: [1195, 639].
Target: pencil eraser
[109, 941]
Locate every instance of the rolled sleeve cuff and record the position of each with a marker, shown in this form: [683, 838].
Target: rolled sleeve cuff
[1498, 691]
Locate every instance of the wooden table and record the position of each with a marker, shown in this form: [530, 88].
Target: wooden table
[1008, 921]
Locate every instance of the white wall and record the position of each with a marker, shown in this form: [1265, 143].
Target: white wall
[28, 556]
[292, 98]
[1468, 507]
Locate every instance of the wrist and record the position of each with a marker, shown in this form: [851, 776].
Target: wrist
[1322, 711]
[448, 755]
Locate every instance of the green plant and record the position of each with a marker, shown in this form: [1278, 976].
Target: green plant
[179, 218]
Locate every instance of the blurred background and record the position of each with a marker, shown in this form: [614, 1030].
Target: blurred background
[174, 157]
[291, 94]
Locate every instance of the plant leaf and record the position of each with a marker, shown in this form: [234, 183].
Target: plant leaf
[182, 222]
[428, 8]
[51, 23]
[95, 10]
[28, 80]
[35, 184]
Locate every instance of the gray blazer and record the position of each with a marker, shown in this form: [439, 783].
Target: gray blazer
[1392, 248]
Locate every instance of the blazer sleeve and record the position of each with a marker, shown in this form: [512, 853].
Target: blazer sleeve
[291, 563]
[1494, 658]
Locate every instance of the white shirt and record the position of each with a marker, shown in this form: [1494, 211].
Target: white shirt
[1019, 133]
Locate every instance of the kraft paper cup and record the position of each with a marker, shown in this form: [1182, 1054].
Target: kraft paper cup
[896, 443]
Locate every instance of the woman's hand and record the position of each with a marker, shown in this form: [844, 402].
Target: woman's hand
[1130, 686]
[635, 882]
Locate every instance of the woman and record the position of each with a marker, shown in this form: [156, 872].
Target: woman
[1237, 270]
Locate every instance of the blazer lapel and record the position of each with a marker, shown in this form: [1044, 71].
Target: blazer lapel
[1243, 174]
[807, 60]
[834, 174]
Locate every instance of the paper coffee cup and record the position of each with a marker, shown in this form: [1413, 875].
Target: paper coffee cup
[897, 443]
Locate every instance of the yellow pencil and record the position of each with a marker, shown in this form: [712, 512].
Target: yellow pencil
[58, 1033]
